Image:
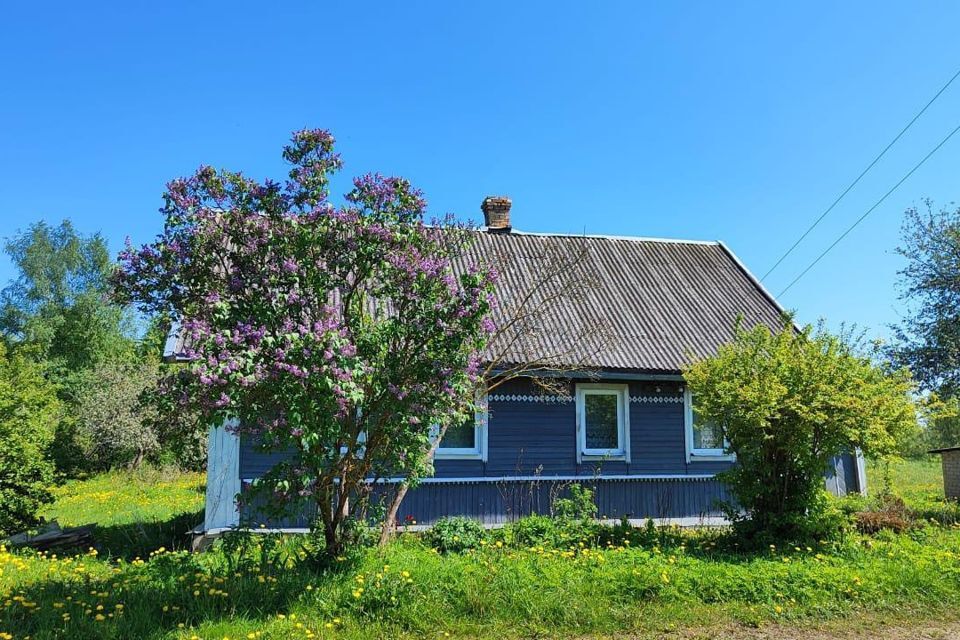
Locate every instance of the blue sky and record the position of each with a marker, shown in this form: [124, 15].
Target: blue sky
[701, 120]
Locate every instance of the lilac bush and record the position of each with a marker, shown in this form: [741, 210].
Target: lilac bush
[342, 333]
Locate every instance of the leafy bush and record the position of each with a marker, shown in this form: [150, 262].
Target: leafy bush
[115, 415]
[534, 530]
[579, 506]
[455, 534]
[787, 403]
[29, 411]
[572, 524]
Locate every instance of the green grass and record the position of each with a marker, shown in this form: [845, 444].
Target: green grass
[920, 484]
[913, 480]
[262, 587]
[409, 590]
[135, 512]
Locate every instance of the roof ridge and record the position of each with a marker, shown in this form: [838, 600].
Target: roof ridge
[601, 236]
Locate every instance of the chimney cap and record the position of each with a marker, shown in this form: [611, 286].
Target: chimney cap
[496, 213]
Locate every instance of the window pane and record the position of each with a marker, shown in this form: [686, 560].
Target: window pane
[461, 436]
[601, 418]
[705, 434]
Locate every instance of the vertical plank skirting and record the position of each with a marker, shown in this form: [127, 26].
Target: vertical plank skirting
[223, 479]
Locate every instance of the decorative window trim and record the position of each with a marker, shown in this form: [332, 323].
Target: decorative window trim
[481, 428]
[519, 397]
[699, 455]
[622, 452]
[664, 399]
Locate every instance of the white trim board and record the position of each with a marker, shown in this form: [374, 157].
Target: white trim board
[699, 477]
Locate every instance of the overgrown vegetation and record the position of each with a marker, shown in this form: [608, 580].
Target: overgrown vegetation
[497, 584]
[788, 402]
[29, 413]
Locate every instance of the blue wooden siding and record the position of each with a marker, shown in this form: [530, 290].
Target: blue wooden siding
[533, 436]
[527, 435]
[501, 502]
[497, 503]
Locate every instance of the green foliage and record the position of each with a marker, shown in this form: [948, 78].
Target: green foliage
[29, 411]
[115, 414]
[929, 337]
[573, 523]
[455, 534]
[264, 584]
[787, 402]
[917, 485]
[650, 579]
[180, 430]
[579, 506]
[58, 309]
[58, 267]
[59, 314]
[135, 511]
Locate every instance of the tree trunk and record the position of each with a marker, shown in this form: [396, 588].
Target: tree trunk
[387, 528]
[334, 545]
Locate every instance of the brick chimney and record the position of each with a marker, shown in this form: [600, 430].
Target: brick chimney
[496, 213]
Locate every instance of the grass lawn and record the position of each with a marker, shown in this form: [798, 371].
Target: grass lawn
[135, 512]
[645, 585]
[913, 480]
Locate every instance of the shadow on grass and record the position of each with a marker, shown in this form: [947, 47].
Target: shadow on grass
[139, 539]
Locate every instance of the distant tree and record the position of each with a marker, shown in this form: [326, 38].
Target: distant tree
[58, 313]
[116, 415]
[29, 412]
[928, 338]
[786, 403]
[58, 306]
[340, 333]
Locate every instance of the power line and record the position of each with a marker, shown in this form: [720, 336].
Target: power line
[863, 173]
[868, 212]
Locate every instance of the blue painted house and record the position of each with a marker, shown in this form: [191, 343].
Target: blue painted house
[617, 415]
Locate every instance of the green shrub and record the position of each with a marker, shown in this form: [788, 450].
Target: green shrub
[29, 411]
[787, 403]
[115, 417]
[455, 534]
[531, 531]
[579, 506]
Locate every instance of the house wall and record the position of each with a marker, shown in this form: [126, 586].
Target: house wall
[532, 457]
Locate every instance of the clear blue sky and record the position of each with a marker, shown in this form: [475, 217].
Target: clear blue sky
[731, 121]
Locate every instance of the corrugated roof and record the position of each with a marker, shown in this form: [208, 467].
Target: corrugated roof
[647, 305]
[659, 303]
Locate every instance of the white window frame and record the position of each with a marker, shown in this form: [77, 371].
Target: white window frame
[480, 431]
[693, 454]
[622, 392]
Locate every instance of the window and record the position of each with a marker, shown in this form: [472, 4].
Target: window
[704, 439]
[602, 421]
[467, 440]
